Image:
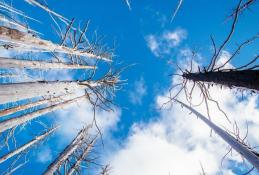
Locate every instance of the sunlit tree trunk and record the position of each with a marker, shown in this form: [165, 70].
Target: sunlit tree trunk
[68, 151]
[81, 158]
[27, 42]
[33, 104]
[7, 63]
[247, 153]
[27, 145]
[13, 92]
[12, 122]
[243, 79]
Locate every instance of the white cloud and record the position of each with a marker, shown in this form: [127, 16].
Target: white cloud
[139, 91]
[163, 44]
[81, 114]
[177, 143]
[44, 155]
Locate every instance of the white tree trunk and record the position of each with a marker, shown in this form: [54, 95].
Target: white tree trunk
[27, 145]
[81, 158]
[52, 100]
[33, 2]
[68, 151]
[6, 63]
[27, 42]
[10, 123]
[19, 91]
[234, 143]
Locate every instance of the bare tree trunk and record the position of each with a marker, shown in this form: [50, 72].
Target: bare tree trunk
[7, 63]
[27, 42]
[13, 92]
[243, 79]
[33, 2]
[68, 151]
[33, 104]
[82, 157]
[27, 145]
[10, 123]
[247, 153]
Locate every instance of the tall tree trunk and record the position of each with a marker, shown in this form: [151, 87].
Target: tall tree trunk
[27, 42]
[246, 152]
[244, 78]
[68, 151]
[27, 145]
[10, 123]
[81, 158]
[34, 104]
[6, 63]
[13, 92]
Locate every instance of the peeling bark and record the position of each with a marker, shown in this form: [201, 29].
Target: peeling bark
[27, 42]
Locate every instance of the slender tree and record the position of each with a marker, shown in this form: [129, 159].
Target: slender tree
[245, 151]
[244, 77]
[76, 144]
[9, 63]
[27, 145]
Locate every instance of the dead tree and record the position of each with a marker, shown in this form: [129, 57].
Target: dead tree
[45, 101]
[234, 78]
[9, 63]
[80, 143]
[247, 152]
[13, 122]
[12, 92]
[74, 51]
[243, 77]
[26, 146]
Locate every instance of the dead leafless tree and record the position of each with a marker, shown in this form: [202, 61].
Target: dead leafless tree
[238, 145]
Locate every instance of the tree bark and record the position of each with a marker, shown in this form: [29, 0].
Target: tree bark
[242, 79]
[81, 158]
[13, 92]
[247, 153]
[33, 104]
[68, 151]
[6, 63]
[10, 123]
[27, 42]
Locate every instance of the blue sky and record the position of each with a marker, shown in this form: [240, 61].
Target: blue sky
[144, 36]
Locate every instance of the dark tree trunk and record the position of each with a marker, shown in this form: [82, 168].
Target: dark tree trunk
[244, 78]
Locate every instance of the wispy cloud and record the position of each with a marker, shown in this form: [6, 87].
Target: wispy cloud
[44, 155]
[128, 4]
[163, 44]
[138, 92]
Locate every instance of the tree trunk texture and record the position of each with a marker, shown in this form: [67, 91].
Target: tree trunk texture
[52, 100]
[242, 79]
[246, 152]
[13, 92]
[68, 151]
[27, 145]
[12, 122]
[7, 63]
[23, 41]
[81, 158]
